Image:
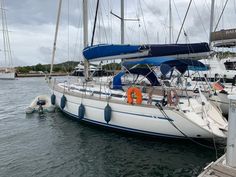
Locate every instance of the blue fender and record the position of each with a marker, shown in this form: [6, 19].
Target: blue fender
[107, 113]
[81, 111]
[53, 99]
[63, 102]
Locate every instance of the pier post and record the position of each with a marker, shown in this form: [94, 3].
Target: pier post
[231, 140]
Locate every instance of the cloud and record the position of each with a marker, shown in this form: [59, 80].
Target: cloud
[32, 25]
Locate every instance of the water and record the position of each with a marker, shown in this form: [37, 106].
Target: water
[57, 146]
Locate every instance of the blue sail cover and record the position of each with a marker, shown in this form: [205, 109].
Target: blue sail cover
[106, 50]
[160, 50]
[102, 51]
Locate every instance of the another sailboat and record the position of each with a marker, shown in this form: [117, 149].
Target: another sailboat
[221, 70]
[7, 70]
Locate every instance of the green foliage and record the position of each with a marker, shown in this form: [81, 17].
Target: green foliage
[112, 66]
[62, 67]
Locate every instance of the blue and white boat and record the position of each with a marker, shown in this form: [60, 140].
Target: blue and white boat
[144, 105]
[162, 111]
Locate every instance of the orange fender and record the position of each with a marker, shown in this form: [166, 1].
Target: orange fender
[134, 93]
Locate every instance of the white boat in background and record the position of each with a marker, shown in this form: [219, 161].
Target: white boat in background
[7, 70]
[7, 73]
[94, 70]
[218, 69]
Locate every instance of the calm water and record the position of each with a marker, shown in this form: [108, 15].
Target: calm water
[57, 146]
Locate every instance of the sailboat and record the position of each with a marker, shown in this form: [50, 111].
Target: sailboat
[221, 70]
[147, 106]
[7, 70]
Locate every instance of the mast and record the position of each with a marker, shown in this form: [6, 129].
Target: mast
[95, 22]
[211, 20]
[55, 37]
[122, 15]
[4, 34]
[170, 22]
[85, 24]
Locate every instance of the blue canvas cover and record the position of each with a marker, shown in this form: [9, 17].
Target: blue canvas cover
[139, 71]
[117, 80]
[153, 50]
[106, 50]
[180, 64]
[160, 50]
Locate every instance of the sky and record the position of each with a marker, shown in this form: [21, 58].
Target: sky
[31, 25]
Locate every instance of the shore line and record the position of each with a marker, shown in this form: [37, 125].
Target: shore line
[41, 75]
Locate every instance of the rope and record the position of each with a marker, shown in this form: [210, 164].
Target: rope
[186, 136]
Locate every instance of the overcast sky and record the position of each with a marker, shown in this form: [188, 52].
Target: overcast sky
[32, 25]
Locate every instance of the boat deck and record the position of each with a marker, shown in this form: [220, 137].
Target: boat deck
[218, 169]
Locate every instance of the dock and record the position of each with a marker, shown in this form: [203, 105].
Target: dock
[218, 169]
[225, 166]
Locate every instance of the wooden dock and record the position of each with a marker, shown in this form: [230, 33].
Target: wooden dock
[218, 169]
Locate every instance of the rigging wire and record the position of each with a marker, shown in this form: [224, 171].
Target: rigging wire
[207, 5]
[78, 38]
[235, 6]
[139, 25]
[201, 19]
[162, 22]
[6, 40]
[4, 31]
[222, 12]
[109, 21]
[95, 22]
[144, 22]
[68, 33]
[189, 5]
[185, 33]
[103, 23]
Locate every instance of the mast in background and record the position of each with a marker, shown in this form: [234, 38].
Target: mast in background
[55, 37]
[85, 28]
[122, 18]
[170, 22]
[211, 20]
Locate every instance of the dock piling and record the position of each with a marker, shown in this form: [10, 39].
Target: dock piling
[231, 140]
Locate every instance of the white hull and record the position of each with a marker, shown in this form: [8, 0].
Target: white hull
[7, 76]
[140, 119]
[221, 100]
